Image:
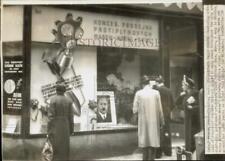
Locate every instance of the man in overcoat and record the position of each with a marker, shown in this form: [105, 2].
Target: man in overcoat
[167, 106]
[147, 105]
[60, 124]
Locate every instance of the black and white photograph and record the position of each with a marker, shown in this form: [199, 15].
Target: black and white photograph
[103, 81]
[105, 112]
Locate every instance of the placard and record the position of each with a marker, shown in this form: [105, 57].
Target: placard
[99, 29]
[106, 111]
[12, 84]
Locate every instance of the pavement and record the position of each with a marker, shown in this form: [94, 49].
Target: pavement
[137, 154]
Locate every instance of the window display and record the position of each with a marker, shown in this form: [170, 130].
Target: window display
[43, 83]
[59, 63]
[38, 117]
[120, 70]
[13, 67]
[101, 85]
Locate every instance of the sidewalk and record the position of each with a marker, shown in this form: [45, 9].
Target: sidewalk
[137, 155]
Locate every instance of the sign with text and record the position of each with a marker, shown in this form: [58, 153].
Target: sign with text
[12, 84]
[99, 29]
[49, 90]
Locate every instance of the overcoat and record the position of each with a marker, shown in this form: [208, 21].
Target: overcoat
[192, 117]
[166, 100]
[60, 126]
[147, 104]
[167, 106]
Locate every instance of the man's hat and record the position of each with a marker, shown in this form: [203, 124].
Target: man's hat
[60, 88]
[145, 79]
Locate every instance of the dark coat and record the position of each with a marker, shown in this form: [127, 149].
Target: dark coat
[107, 119]
[192, 118]
[166, 100]
[167, 106]
[60, 126]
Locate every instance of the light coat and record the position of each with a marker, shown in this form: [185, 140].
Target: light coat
[147, 104]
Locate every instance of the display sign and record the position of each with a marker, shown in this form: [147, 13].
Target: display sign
[12, 84]
[11, 126]
[99, 29]
[49, 90]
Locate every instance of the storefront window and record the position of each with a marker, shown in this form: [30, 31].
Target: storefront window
[98, 78]
[119, 71]
[12, 55]
[13, 86]
[43, 83]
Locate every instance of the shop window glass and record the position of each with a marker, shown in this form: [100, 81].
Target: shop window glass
[12, 86]
[119, 71]
[12, 55]
[43, 81]
[108, 78]
[112, 77]
[80, 72]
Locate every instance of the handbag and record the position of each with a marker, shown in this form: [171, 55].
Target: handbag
[182, 154]
[47, 151]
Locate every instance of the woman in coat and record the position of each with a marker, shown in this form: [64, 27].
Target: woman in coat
[190, 103]
[60, 124]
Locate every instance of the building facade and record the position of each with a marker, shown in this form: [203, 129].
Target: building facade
[115, 45]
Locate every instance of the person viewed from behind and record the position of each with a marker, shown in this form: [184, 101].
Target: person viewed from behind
[167, 106]
[147, 105]
[60, 124]
[190, 103]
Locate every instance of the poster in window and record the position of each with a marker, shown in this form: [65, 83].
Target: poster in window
[106, 112]
[12, 84]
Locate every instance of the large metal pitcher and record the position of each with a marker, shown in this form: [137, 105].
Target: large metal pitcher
[65, 61]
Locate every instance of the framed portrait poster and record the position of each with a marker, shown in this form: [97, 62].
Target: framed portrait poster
[106, 111]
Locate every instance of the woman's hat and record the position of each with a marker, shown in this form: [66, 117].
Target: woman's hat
[188, 81]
